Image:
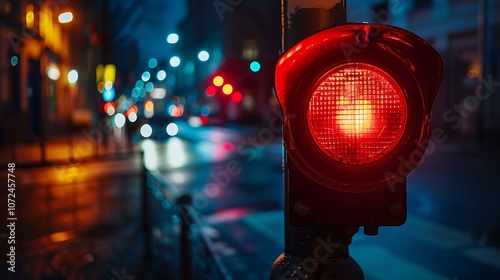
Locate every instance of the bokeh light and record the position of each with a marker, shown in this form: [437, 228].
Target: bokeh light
[161, 75]
[195, 121]
[108, 85]
[172, 129]
[108, 94]
[236, 97]
[255, 66]
[175, 61]
[149, 86]
[218, 81]
[203, 56]
[146, 130]
[119, 120]
[152, 63]
[132, 117]
[149, 105]
[53, 72]
[72, 76]
[14, 60]
[65, 17]
[146, 76]
[109, 108]
[205, 111]
[172, 38]
[210, 90]
[227, 89]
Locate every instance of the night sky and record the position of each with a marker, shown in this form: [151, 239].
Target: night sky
[152, 39]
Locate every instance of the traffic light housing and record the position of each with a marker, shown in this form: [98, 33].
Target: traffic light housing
[356, 100]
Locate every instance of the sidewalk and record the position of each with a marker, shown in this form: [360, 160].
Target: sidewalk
[115, 253]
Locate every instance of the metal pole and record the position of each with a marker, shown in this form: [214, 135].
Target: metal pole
[485, 33]
[185, 250]
[146, 218]
[313, 252]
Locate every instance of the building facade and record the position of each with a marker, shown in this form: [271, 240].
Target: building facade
[42, 41]
[235, 34]
[462, 31]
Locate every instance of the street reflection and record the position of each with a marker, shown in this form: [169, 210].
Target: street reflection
[150, 156]
[176, 152]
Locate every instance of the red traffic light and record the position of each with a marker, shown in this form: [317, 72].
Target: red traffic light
[356, 98]
[357, 114]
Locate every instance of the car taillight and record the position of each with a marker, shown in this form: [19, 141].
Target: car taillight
[357, 113]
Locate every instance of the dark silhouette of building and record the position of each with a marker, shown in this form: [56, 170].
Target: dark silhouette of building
[235, 34]
[462, 31]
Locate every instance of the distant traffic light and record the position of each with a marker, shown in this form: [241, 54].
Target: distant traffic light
[356, 101]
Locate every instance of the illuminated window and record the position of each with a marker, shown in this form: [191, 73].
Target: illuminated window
[8, 7]
[250, 50]
[30, 16]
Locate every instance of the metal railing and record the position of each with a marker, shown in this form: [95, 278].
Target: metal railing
[172, 228]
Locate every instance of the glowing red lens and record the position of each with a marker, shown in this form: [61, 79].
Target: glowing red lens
[357, 114]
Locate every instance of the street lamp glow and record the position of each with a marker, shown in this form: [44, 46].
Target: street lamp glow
[66, 17]
[53, 72]
[14, 60]
[146, 76]
[132, 117]
[172, 129]
[175, 61]
[172, 38]
[146, 130]
[73, 76]
[152, 63]
[161, 75]
[203, 56]
[227, 89]
[119, 120]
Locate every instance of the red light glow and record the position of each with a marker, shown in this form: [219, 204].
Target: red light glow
[177, 112]
[204, 119]
[133, 109]
[227, 146]
[108, 105]
[210, 90]
[236, 97]
[357, 114]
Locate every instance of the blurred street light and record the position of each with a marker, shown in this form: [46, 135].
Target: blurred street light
[161, 75]
[255, 66]
[119, 120]
[53, 72]
[65, 17]
[152, 63]
[175, 61]
[203, 56]
[146, 130]
[172, 38]
[218, 81]
[227, 89]
[73, 76]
